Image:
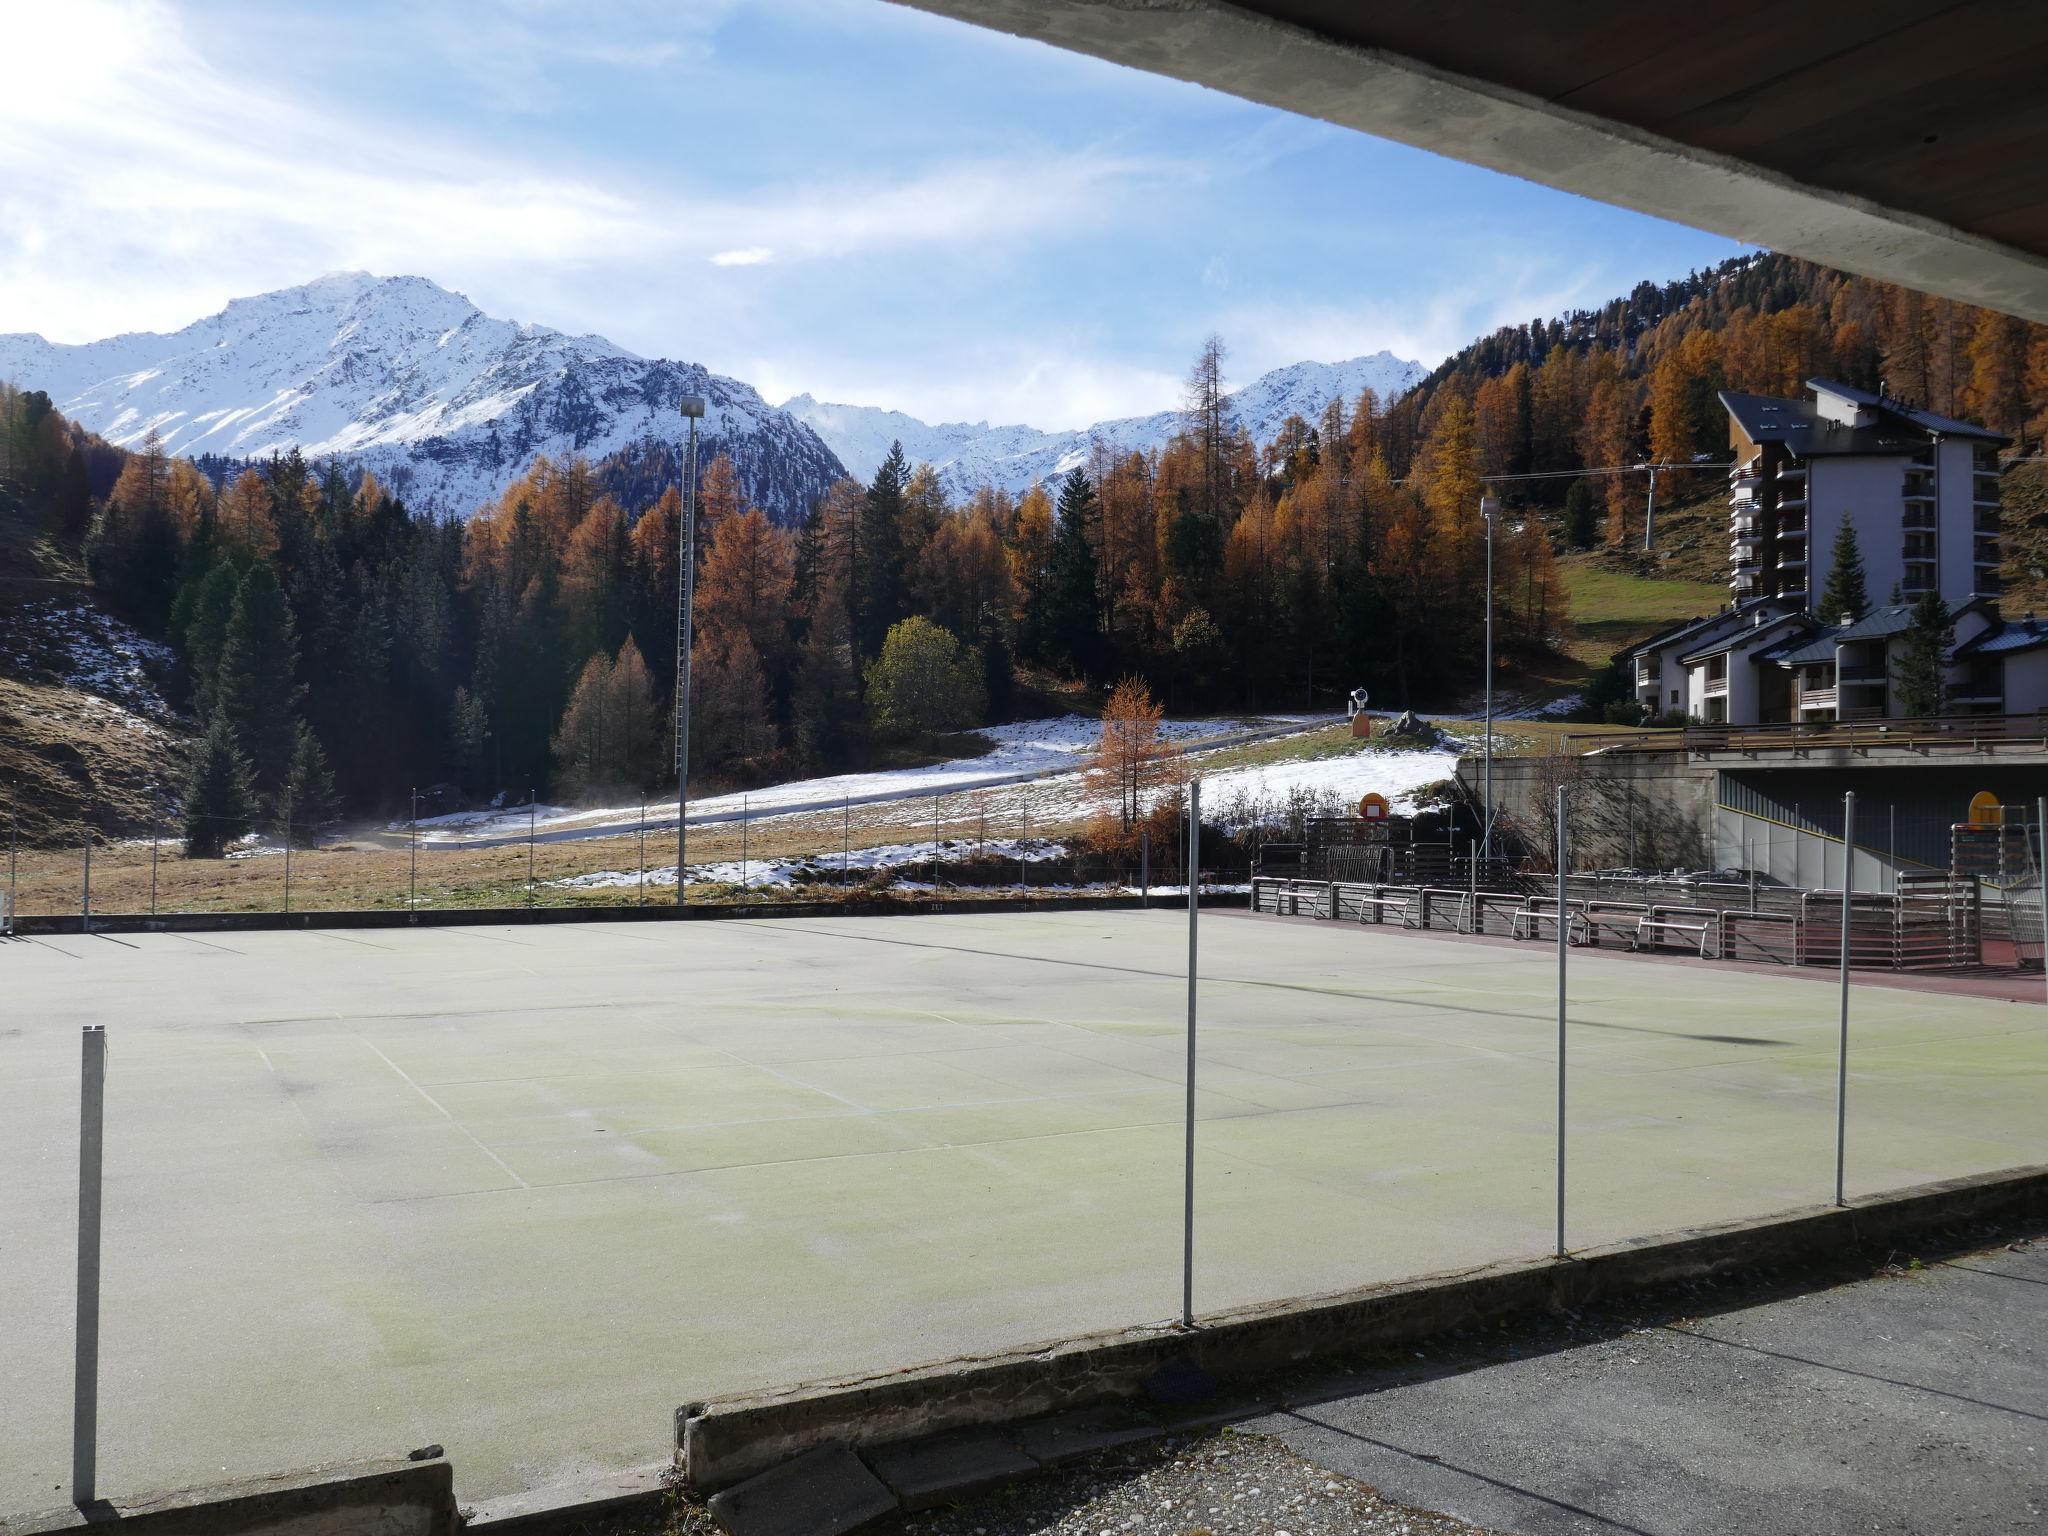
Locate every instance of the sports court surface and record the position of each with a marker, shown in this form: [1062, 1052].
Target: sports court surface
[522, 1191]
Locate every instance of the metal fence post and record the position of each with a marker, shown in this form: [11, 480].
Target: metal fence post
[85, 889]
[1024, 850]
[2041, 875]
[85, 1392]
[1145, 866]
[1187, 1246]
[845, 840]
[1564, 925]
[743, 843]
[531, 806]
[153, 831]
[1842, 1042]
[643, 848]
[287, 848]
[412, 897]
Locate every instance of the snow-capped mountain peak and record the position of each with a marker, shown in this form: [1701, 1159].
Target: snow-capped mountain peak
[403, 376]
[971, 454]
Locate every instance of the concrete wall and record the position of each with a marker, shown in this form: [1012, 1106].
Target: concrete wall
[1869, 490]
[395, 1496]
[1641, 812]
[2026, 682]
[1954, 484]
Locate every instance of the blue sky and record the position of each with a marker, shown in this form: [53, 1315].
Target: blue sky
[838, 196]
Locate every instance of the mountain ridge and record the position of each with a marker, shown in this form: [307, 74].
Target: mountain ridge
[448, 404]
[1011, 456]
[413, 381]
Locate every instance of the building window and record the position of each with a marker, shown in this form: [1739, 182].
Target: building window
[1674, 695]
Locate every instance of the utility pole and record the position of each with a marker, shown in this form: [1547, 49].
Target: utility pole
[1489, 509]
[1650, 509]
[692, 408]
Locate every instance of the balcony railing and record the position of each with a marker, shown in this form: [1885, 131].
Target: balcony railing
[1814, 698]
[1716, 688]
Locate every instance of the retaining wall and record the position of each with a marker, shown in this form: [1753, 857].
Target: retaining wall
[728, 1439]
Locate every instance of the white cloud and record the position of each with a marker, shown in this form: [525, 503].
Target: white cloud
[1276, 331]
[746, 256]
[1052, 384]
[143, 187]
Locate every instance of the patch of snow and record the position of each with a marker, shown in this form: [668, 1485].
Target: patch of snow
[88, 650]
[824, 866]
[1024, 750]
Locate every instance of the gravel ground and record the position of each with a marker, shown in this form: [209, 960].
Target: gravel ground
[1220, 1484]
[1225, 1484]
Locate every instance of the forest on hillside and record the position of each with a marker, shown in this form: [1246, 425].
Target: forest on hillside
[339, 650]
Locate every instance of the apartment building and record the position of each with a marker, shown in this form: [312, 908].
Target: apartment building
[1921, 492]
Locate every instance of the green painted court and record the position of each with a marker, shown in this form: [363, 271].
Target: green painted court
[522, 1191]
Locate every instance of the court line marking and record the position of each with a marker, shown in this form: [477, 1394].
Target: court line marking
[416, 1088]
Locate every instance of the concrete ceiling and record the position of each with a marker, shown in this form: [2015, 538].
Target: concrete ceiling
[1902, 139]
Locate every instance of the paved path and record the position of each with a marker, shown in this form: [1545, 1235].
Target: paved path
[1908, 1404]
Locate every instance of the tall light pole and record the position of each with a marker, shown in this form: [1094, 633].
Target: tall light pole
[1650, 509]
[692, 408]
[1489, 509]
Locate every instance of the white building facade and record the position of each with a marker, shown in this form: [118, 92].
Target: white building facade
[1921, 493]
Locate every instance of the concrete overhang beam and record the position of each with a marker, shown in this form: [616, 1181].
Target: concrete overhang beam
[1235, 49]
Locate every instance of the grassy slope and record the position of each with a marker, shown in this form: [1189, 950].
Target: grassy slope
[71, 759]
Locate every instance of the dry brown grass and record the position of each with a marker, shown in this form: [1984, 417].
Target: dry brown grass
[376, 873]
[77, 761]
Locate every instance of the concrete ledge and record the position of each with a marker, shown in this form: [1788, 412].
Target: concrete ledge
[492, 917]
[728, 1439]
[394, 1496]
[567, 1507]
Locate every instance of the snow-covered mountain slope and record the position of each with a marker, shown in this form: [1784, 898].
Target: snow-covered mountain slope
[397, 374]
[970, 454]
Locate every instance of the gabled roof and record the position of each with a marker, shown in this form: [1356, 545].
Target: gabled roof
[1808, 646]
[1926, 421]
[1736, 639]
[1665, 639]
[2028, 634]
[1798, 424]
[1878, 624]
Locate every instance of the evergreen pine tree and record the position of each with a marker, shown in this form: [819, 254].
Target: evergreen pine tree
[1070, 597]
[309, 797]
[825, 718]
[1844, 596]
[469, 733]
[205, 608]
[1919, 682]
[74, 497]
[219, 805]
[878, 578]
[256, 690]
[1581, 516]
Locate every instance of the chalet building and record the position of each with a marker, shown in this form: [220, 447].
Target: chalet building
[1921, 492]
